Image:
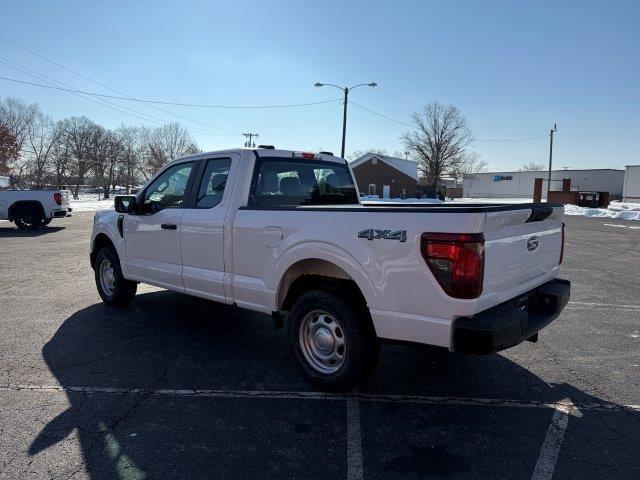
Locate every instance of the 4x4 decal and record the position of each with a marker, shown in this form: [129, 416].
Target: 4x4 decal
[375, 234]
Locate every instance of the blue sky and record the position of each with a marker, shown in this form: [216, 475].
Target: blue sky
[513, 68]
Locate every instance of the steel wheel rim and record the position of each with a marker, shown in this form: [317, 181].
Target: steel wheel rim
[26, 220]
[322, 341]
[107, 277]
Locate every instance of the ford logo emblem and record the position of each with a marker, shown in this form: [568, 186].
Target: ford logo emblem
[532, 244]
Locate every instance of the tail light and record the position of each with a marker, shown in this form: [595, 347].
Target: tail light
[58, 198]
[562, 246]
[456, 261]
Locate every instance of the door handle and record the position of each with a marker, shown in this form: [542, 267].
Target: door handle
[169, 226]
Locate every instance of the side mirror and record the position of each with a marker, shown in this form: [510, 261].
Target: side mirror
[125, 203]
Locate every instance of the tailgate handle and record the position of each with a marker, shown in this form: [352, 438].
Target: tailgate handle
[539, 213]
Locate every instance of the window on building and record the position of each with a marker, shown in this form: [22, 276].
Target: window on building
[372, 189]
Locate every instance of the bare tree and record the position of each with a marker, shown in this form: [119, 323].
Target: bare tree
[358, 153]
[468, 164]
[16, 115]
[439, 141]
[533, 167]
[60, 162]
[43, 136]
[9, 149]
[108, 152]
[78, 135]
[165, 143]
[131, 155]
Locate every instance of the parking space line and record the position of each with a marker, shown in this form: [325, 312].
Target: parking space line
[608, 305]
[293, 395]
[553, 441]
[354, 441]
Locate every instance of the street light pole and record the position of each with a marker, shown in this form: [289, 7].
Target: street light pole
[344, 120]
[551, 132]
[345, 90]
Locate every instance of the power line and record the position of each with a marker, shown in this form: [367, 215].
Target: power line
[476, 140]
[105, 103]
[54, 84]
[108, 87]
[200, 105]
[130, 98]
[379, 114]
[510, 139]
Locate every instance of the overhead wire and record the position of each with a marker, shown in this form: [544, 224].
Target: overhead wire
[476, 140]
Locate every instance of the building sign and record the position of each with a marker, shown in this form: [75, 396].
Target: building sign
[500, 178]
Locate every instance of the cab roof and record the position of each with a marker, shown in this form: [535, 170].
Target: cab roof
[267, 152]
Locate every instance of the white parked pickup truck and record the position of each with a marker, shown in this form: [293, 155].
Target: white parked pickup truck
[283, 233]
[31, 209]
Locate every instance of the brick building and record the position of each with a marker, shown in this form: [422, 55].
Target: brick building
[387, 177]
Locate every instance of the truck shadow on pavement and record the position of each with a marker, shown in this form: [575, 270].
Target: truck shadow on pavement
[17, 233]
[166, 343]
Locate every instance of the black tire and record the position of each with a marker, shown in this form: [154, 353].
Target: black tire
[116, 293]
[45, 222]
[28, 219]
[352, 326]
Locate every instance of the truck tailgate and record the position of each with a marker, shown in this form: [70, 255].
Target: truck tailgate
[520, 251]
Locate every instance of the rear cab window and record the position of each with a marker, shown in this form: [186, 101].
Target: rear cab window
[291, 182]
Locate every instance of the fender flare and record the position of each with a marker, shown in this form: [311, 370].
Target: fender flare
[37, 204]
[117, 242]
[329, 253]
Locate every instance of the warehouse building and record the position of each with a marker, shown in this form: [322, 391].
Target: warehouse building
[631, 189]
[520, 184]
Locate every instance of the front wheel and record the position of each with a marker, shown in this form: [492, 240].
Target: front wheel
[333, 343]
[114, 289]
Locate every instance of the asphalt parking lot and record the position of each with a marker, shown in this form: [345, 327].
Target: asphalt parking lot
[177, 387]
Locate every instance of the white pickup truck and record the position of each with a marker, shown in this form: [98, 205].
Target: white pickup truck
[283, 233]
[31, 209]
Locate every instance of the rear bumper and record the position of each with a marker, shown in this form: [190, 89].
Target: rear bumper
[61, 213]
[511, 322]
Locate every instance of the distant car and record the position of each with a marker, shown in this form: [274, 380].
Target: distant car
[31, 209]
[284, 233]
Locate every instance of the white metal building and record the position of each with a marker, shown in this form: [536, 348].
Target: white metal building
[631, 190]
[520, 184]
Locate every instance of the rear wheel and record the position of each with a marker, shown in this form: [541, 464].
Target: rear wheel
[45, 222]
[28, 218]
[333, 343]
[114, 289]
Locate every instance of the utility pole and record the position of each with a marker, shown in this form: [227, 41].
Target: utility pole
[249, 143]
[551, 132]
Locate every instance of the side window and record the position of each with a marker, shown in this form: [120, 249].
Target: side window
[287, 182]
[168, 190]
[213, 182]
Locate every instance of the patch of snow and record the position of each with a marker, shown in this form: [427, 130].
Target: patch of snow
[91, 203]
[622, 206]
[618, 210]
[375, 199]
[492, 200]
